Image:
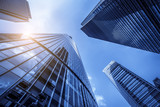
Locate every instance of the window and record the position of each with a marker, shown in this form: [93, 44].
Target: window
[29, 101]
[41, 56]
[71, 96]
[50, 85]
[6, 64]
[56, 97]
[59, 85]
[132, 85]
[18, 72]
[144, 90]
[42, 80]
[8, 53]
[19, 59]
[34, 90]
[138, 89]
[29, 64]
[62, 72]
[2, 70]
[54, 76]
[76, 99]
[71, 79]
[52, 63]
[6, 83]
[27, 77]
[23, 84]
[2, 56]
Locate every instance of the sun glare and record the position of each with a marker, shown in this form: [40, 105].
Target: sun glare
[26, 35]
[27, 31]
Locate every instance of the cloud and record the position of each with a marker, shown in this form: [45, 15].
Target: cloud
[89, 77]
[100, 100]
[94, 89]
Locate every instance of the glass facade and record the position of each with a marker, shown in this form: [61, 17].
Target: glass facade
[137, 91]
[42, 70]
[157, 82]
[14, 10]
[126, 22]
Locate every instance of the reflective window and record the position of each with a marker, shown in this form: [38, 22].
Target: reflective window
[18, 72]
[2, 70]
[6, 64]
[6, 83]
[29, 64]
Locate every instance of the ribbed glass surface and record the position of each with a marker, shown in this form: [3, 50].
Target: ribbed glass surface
[134, 23]
[141, 92]
[42, 70]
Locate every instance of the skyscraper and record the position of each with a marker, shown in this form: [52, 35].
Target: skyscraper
[137, 91]
[157, 82]
[14, 10]
[42, 70]
[134, 23]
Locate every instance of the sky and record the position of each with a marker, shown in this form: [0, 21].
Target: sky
[65, 16]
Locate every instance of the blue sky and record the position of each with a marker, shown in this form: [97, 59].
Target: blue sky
[65, 16]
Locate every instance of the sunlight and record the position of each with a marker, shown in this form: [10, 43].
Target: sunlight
[26, 35]
[27, 31]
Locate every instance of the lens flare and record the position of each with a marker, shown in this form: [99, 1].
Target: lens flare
[26, 35]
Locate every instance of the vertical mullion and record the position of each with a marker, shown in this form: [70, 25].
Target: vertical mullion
[60, 98]
[50, 100]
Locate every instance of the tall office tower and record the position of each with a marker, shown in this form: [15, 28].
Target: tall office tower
[137, 91]
[14, 10]
[157, 82]
[134, 23]
[42, 70]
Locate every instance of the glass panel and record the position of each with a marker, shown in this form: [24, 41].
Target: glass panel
[18, 72]
[7, 64]
[2, 70]
[2, 56]
[27, 77]
[8, 53]
[6, 83]
[19, 59]
[28, 65]
[71, 96]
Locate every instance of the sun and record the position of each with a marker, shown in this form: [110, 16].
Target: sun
[26, 35]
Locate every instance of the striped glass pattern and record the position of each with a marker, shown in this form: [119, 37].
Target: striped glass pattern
[134, 23]
[141, 91]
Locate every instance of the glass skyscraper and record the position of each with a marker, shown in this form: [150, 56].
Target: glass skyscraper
[42, 70]
[134, 23]
[137, 91]
[14, 10]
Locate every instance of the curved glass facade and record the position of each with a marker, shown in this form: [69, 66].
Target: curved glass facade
[42, 70]
[127, 22]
